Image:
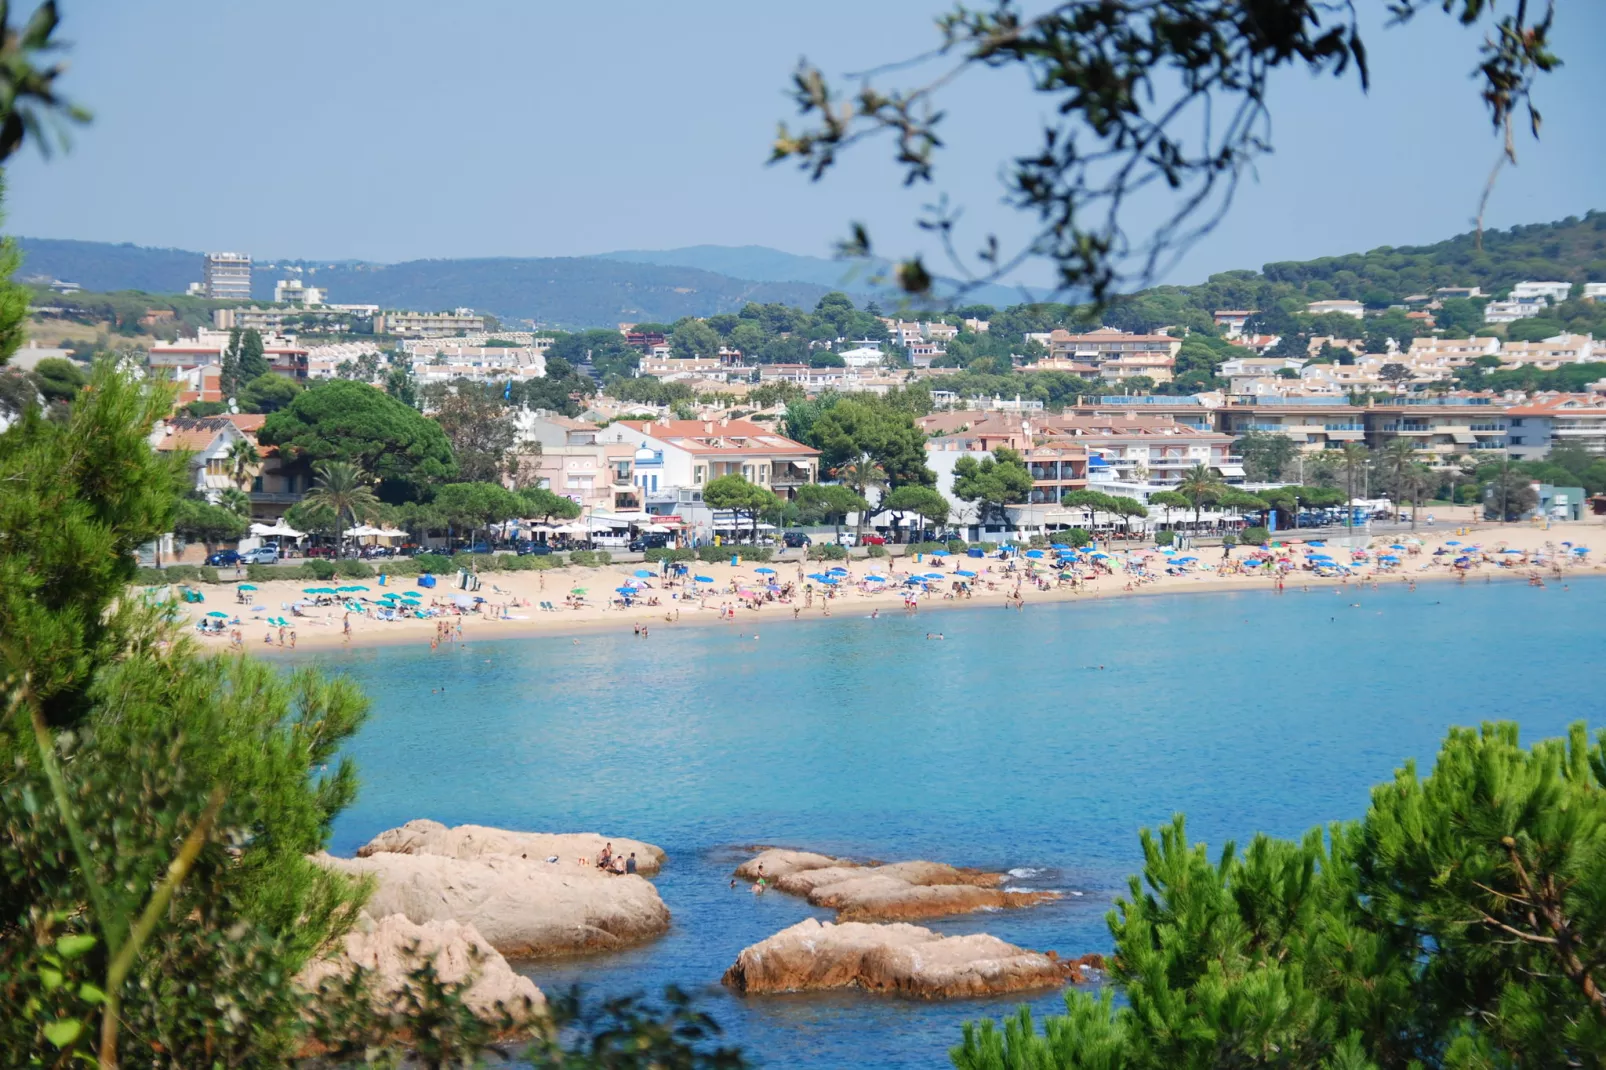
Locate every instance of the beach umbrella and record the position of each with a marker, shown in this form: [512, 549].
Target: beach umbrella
[1034, 553]
[760, 571]
[838, 569]
[912, 580]
[939, 553]
[1511, 551]
[965, 573]
[876, 579]
[625, 590]
[1452, 542]
[1098, 553]
[1168, 551]
[1253, 562]
[699, 579]
[1387, 557]
[247, 587]
[217, 613]
[644, 574]
[935, 576]
[1185, 560]
[1396, 546]
[577, 590]
[1580, 549]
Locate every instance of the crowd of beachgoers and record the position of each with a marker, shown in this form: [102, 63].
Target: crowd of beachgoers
[292, 614]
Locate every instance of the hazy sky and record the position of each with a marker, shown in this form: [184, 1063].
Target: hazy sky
[401, 129]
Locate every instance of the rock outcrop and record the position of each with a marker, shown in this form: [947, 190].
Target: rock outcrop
[899, 891]
[522, 908]
[573, 850]
[392, 947]
[897, 959]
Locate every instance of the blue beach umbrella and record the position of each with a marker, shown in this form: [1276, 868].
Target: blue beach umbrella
[703, 579]
[760, 571]
[1511, 551]
[939, 553]
[644, 574]
[1098, 553]
[1253, 562]
[965, 573]
[247, 587]
[837, 570]
[625, 590]
[1168, 551]
[1058, 546]
[1396, 546]
[1580, 549]
[1452, 542]
[1034, 553]
[1387, 557]
[935, 576]
[876, 579]
[912, 580]
[217, 613]
[1185, 560]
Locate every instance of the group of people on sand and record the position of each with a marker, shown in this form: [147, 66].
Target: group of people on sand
[618, 865]
[446, 631]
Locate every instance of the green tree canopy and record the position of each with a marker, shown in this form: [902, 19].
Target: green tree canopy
[268, 393]
[828, 503]
[199, 521]
[340, 420]
[925, 502]
[854, 427]
[474, 506]
[992, 482]
[1459, 924]
[739, 496]
[539, 503]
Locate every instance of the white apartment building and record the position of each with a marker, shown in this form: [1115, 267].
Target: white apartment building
[1232, 320]
[1594, 291]
[1343, 308]
[227, 276]
[1556, 292]
[690, 453]
[296, 292]
[1577, 420]
[1452, 352]
[1514, 310]
[428, 324]
[1552, 353]
[864, 354]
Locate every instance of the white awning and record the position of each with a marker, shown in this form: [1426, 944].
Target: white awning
[363, 531]
[1231, 469]
[278, 527]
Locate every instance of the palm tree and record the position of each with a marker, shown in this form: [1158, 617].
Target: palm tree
[343, 489]
[242, 458]
[1355, 456]
[862, 474]
[1199, 485]
[236, 501]
[1399, 458]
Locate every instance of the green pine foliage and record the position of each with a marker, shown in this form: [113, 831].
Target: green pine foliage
[1461, 923]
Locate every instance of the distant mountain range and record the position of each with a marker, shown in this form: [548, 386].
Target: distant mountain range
[704, 280]
[595, 291]
[862, 278]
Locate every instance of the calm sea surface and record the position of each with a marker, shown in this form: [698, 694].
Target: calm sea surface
[1005, 745]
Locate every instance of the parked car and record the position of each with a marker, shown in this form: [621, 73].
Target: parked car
[874, 540]
[320, 551]
[262, 555]
[847, 538]
[535, 549]
[224, 559]
[649, 541]
[480, 548]
[796, 540]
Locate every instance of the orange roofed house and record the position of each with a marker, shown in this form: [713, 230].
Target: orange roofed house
[689, 453]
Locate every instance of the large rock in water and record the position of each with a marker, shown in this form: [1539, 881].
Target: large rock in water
[900, 959]
[899, 891]
[392, 947]
[523, 909]
[573, 850]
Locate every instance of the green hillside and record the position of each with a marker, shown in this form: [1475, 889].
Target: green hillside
[1573, 250]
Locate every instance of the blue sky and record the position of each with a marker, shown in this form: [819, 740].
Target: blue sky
[401, 129]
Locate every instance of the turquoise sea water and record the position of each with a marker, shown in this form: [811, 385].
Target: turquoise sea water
[1002, 746]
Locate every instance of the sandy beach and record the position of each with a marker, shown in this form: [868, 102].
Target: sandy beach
[512, 601]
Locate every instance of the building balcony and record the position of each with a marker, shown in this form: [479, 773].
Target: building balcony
[275, 497]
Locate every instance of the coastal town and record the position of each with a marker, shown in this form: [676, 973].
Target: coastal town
[834, 540]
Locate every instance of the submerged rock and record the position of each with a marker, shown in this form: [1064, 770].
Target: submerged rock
[523, 909]
[898, 891]
[899, 959]
[573, 850]
[392, 947]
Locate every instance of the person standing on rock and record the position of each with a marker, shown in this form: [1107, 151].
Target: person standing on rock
[630, 863]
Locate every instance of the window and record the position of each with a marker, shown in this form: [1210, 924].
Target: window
[698, 475]
[217, 466]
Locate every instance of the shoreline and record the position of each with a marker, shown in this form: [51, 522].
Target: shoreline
[320, 631]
